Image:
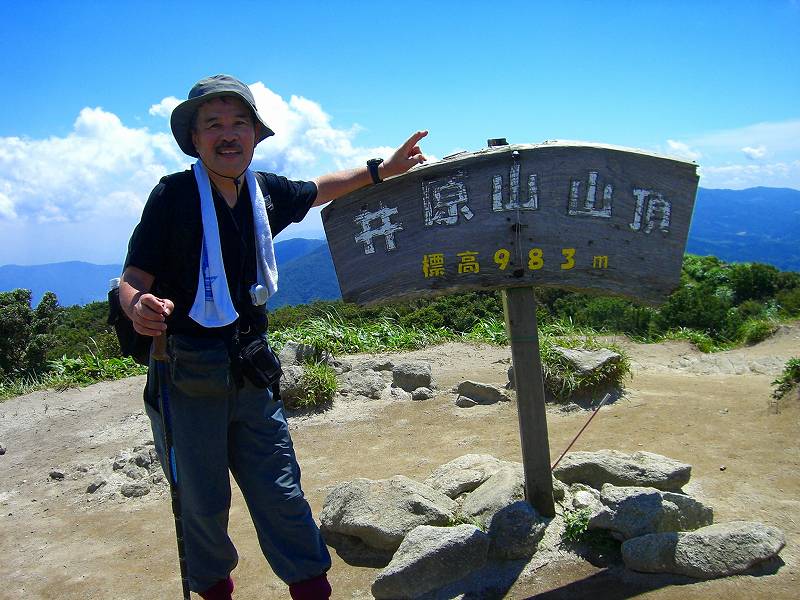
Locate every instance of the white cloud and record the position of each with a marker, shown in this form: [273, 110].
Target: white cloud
[682, 150]
[103, 170]
[305, 143]
[771, 149]
[755, 153]
[165, 107]
[100, 167]
[740, 176]
[781, 136]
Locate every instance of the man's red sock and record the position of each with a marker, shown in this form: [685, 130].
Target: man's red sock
[317, 588]
[221, 590]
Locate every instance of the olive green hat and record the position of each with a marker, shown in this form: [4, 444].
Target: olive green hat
[203, 91]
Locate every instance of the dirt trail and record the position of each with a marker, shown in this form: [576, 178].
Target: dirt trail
[59, 542]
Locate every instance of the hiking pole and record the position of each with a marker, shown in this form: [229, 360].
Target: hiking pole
[575, 439]
[161, 358]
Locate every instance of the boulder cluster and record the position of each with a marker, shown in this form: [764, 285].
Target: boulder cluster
[472, 512]
[366, 380]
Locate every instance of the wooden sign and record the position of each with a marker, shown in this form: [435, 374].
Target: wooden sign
[565, 214]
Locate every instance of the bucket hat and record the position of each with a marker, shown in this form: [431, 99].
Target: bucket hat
[203, 91]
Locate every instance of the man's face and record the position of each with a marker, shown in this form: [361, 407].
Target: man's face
[224, 135]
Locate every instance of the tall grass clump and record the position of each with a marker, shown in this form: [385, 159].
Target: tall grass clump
[490, 330]
[756, 330]
[563, 379]
[317, 386]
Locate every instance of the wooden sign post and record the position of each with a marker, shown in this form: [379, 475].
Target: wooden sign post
[581, 216]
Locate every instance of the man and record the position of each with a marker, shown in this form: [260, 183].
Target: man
[200, 266]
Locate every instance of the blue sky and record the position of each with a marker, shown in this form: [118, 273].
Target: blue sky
[88, 88]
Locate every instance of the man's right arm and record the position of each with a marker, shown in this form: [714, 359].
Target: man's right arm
[146, 311]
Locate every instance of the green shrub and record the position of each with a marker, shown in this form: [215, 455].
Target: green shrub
[91, 368]
[705, 269]
[318, 386]
[25, 333]
[754, 331]
[753, 281]
[695, 307]
[788, 379]
[576, 523]
[750, 309]
[789, 301]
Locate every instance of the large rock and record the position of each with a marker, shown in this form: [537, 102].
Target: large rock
[375, 365]
[464, 473]
[422, 393]
[502, 489]
[412, 375]
[429, 558]
[515, 531]
[714, 551]
[634, 511]
[587, 361]
[480, 393]
[363, 382]
[585, 497]
[296, 354]
[135, 489]
[382, 512]
[290, 383]
[618, 468]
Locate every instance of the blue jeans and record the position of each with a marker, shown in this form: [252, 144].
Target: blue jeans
[216, 428]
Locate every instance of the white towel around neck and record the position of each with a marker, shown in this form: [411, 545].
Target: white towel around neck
[213, 306]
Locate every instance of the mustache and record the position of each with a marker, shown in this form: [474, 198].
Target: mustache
[228, 146]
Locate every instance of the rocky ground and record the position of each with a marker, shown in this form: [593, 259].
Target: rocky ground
[61, 541]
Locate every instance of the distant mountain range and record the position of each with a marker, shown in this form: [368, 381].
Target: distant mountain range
[305, 268]
[753, 225]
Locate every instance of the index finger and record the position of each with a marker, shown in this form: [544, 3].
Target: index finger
[412, 141]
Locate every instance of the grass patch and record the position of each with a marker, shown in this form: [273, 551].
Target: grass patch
[91, 368]
[332, 333]
[490, 331]
[318, 386]
[11, 388]
[460, 519]
[563, 380]
[756, 330]
[700, 339]
[788, 379]
[66, 372]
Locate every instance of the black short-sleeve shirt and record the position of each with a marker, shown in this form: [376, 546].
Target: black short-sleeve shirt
[167, 241]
